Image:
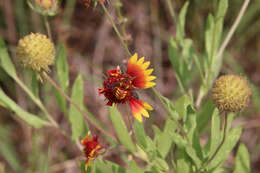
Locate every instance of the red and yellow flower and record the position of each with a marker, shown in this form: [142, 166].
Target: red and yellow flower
[119, 86]
[91, 148]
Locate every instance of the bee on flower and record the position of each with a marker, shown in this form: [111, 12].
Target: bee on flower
[91, 148]
[119, 86]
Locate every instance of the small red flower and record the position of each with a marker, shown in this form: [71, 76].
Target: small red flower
[119, 86]
[91, 148]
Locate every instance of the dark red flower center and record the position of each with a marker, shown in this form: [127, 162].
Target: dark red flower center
[117, 87]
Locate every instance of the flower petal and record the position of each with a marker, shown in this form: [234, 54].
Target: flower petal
[138, 108]
[138, 70]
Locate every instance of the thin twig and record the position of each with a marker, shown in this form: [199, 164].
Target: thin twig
[77, 107]
[47, 25]
[116, 30]
[220, 145]
[233, 28]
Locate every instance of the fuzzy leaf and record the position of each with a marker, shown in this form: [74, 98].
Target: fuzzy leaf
[180, 33]
[5, 60]
[215, 138]
[183, 162]
[242, 160]
[121, 129]
[140, 134]
[181, 105]
[205, 115]
[7, 150]
[76, 119]
[230, 142]
[31, 119]
[63, 76]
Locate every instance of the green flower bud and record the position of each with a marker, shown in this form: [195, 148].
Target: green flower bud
[231, 93]
[44, 7]
[36, 52]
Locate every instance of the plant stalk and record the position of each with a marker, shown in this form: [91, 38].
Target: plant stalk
[220, 145]
[115, 28]
[77, 107]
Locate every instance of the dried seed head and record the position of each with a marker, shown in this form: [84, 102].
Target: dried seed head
[36, 51]
[231, 93]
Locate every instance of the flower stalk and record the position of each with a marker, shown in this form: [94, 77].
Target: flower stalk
[220, 145]
[46, 76]
[115, 28]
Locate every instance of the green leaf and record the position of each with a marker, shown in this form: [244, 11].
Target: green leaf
[5, 60]
[164, 139]
[178, 140]
[174, 55]
[209, 37]
[115, 168]
[183, 162]
[213, 38]
[170, 107]
[181, 105]
[205, 115]
[76, 119]
[140, 134]
[193, 148]
[242, 160]
[34, 84]
[161, 165]
[7, 150]
[134, 168]
[230, 142]
[180, 33]
[215, 138]
[121, 129]
[63, 76]
[177, 62]
[31, 119]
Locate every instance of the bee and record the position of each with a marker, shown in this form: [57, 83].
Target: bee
[120, 93]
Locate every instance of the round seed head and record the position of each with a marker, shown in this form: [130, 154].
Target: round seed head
[36, 52]
[231, 93]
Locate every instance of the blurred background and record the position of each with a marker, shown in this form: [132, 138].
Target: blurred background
[93, 47]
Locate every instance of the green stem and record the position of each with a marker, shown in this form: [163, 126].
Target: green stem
[116, 30]
[220, 145]
[36, 100]
[176, 121]
[172, 13]
[47, 25]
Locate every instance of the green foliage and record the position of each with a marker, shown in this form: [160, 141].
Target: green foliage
[5, 60]
[121, 129]
[63, 77]
[7, 150]
[31, 119]
[78, 126]
[242, 160]
[172, 144]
